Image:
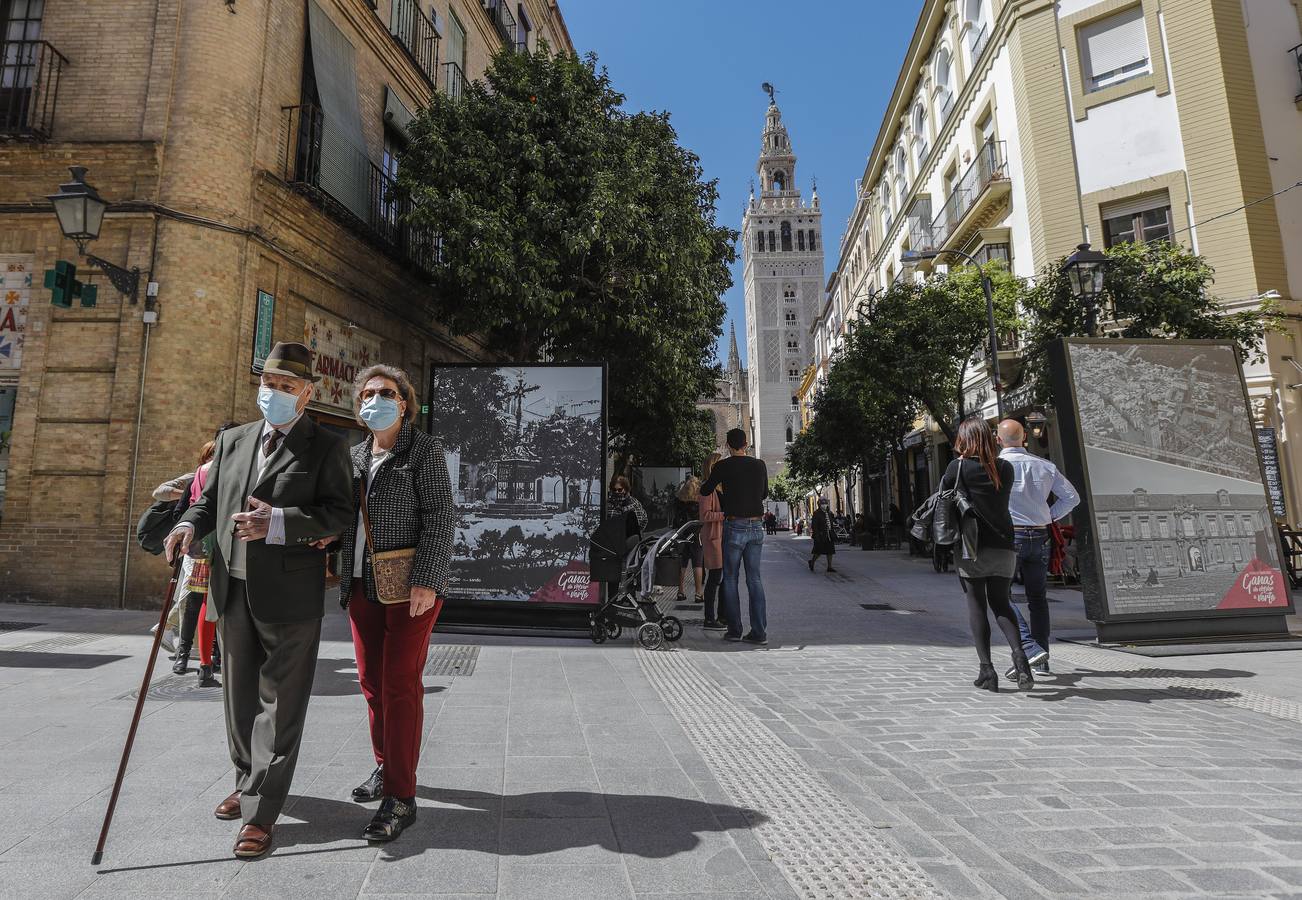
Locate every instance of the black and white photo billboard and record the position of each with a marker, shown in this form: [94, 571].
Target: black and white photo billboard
[526, 447]
[1179, 520]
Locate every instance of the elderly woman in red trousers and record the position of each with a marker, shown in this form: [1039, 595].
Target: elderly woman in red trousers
[404, 503]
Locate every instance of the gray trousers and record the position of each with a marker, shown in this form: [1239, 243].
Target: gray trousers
[267, 673]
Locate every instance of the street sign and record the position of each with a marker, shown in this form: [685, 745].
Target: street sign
[266, 314]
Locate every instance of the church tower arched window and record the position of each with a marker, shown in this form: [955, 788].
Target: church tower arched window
[779, 180]
[759, 241]
[773, 243]
[786, 237]
[800, 239]
[813, 244]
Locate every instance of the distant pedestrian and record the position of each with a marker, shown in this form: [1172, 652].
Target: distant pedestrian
[986, 559]
[403, 502]
[1035, 480]
[771, 522]
[745, 483]
[687, 509]
[620, 503]
[824, 535]
[712, 548]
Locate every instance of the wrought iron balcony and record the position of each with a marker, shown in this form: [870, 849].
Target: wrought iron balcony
[322, 163]
[1297, 60]
[500, 12]
[417, 35]
[920, 217]
[989, 167]
[454, 80]
[29, 88]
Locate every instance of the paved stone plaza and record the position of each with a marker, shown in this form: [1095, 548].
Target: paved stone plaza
[852, 758]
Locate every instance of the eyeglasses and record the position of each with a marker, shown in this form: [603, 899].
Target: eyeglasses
[386, 393]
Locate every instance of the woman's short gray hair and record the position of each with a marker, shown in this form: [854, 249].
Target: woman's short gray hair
[394, 374]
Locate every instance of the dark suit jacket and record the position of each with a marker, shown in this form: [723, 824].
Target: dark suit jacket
[310, 478]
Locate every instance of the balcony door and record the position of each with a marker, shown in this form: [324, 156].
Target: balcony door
[20, 31]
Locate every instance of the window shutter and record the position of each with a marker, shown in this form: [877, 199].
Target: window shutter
[1135, 205]
[344, 163]
[1115, 43]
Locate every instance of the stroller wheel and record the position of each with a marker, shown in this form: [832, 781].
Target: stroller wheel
[598, 633]
[672, 628]
[650, 635]
[613, 630]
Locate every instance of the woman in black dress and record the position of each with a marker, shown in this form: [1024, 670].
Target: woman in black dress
[824, 535]
[986, 558]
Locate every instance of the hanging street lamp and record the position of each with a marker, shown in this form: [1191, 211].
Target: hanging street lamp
[80, 211]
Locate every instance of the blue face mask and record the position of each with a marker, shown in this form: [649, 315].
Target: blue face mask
[379, 413]
[277, 407]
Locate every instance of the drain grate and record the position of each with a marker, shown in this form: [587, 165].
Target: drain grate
[18, 626]
[177, 687]
[59, 643]
[452, 659]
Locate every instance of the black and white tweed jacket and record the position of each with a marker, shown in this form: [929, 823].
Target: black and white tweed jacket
[410, 505]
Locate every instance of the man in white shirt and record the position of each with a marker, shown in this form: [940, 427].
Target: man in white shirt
[1035, 480]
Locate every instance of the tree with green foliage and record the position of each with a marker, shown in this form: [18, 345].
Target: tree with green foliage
[784, 488]
[571, 228]
[1157, 289]
[567, 447]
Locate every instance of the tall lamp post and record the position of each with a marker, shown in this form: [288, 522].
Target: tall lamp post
[913, 257]
[80, 210]
[1084, 271]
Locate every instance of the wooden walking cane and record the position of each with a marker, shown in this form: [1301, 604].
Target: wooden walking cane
[140, 705]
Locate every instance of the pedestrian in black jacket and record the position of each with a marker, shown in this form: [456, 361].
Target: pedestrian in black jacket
[987, 559]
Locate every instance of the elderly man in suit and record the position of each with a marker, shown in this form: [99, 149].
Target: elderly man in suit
[275, 487]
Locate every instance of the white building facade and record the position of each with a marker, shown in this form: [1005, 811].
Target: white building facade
[782, 238]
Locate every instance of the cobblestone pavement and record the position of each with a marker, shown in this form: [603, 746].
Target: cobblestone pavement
[1121, 776]
[852, 758]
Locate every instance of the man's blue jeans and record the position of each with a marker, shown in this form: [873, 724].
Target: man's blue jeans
[743, 541]
[1033, 560]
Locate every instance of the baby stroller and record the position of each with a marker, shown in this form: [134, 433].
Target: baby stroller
[648, 561]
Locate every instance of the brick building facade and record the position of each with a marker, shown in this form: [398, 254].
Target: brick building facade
[245, 148]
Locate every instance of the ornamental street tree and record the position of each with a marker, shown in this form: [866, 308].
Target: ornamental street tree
[572, 228]
[567, 448]
[1158, 289]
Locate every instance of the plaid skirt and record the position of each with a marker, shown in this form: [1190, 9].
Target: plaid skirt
[199, 575]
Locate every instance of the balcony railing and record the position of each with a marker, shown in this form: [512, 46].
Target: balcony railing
[920, 224]
[454, 81]
[323, 164]
[500, 12]
[29, 88]
[989, 166]
[979, 38]
[417, 35]
[1297, 60]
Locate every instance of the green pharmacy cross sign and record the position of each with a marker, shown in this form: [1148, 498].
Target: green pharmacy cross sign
[64, 286]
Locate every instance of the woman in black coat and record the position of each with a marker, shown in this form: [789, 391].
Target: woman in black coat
[824, 534]
[402, 474]
[986, 558]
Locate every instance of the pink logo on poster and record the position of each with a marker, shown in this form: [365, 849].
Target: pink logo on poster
[569, 585]
[1257, 585]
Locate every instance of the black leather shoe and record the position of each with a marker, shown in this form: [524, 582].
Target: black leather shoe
[394, 815]
[182, 664]
[372, 788]
[987, 679]
[1024, 679]
[205, 677]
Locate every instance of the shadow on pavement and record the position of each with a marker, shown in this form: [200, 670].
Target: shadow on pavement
[649, 826]
[338, 678]
[1132, 695]
[1080, 673]
[35, 659]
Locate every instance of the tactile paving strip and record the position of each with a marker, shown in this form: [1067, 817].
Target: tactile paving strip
[825, 847]
[452, 659]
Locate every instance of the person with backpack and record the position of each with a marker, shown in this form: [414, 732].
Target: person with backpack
[985, 556]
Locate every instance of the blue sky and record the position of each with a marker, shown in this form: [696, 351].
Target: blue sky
[703, 62]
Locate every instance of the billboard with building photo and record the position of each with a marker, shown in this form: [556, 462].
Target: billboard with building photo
[1179, 520]
[526, 447]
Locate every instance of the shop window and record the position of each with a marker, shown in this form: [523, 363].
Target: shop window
[1114, 49]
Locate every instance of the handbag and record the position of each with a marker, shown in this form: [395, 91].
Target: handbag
[391, 568]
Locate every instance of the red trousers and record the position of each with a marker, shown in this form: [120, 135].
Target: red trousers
[391, 648]
[205, 633]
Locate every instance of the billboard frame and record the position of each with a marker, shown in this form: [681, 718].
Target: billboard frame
[1147, 625]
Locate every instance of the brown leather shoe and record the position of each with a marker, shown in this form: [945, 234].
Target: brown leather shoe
[254, 841]
[229, 808]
